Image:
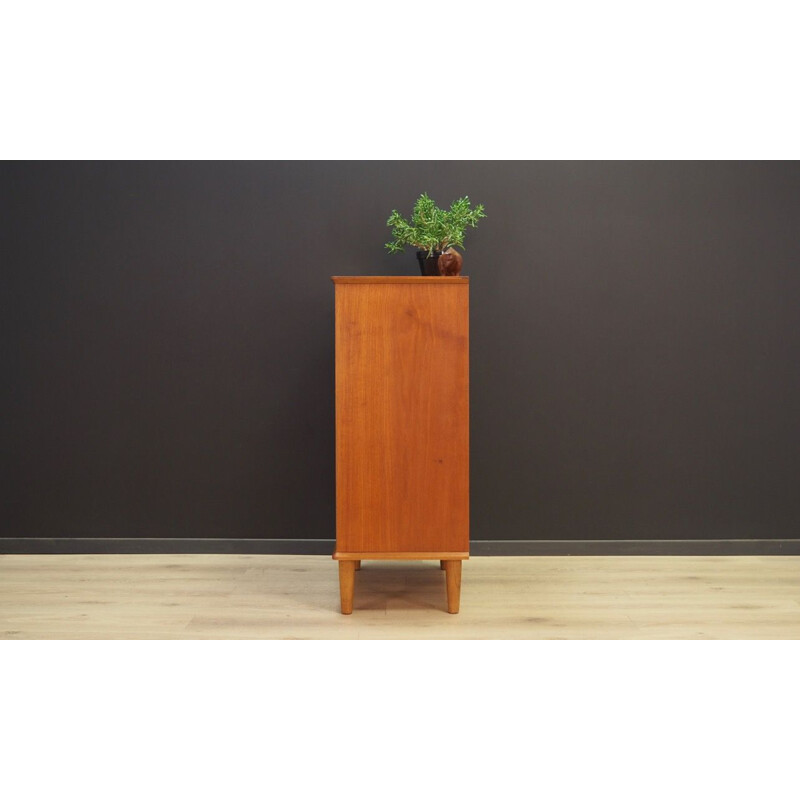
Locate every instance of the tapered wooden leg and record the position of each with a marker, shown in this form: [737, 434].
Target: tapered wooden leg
[441, 565]
[358, 565]
[347, 579]
[453, 576]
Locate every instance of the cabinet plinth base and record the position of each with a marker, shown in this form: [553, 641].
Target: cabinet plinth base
[436, 555]
[349, 563]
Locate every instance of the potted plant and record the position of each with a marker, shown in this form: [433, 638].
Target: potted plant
[435, 233]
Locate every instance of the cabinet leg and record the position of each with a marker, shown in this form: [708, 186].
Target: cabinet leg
[453, 576]
[347, 579]
[358, 565]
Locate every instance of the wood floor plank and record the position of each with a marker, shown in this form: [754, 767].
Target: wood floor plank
[297, 597]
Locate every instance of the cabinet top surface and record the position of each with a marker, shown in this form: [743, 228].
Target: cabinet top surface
[397, 279]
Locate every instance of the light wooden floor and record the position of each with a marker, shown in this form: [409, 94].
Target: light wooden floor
[296, 597]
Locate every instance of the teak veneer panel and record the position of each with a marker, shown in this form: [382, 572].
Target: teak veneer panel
[417, 279]
[402, 416]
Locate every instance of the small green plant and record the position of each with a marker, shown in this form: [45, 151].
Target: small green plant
[432, 228]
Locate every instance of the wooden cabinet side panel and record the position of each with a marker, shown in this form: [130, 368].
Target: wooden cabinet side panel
[402, 417]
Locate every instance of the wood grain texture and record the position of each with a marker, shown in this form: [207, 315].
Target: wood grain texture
[402, 415]
[409, 555]
[297, 597]
[414, 279]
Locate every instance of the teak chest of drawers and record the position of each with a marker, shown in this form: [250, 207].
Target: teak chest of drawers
[402, 424]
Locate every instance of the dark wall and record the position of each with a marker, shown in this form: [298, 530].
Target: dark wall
[167, 350]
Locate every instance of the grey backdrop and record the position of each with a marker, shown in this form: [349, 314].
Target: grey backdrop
[167, 345]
